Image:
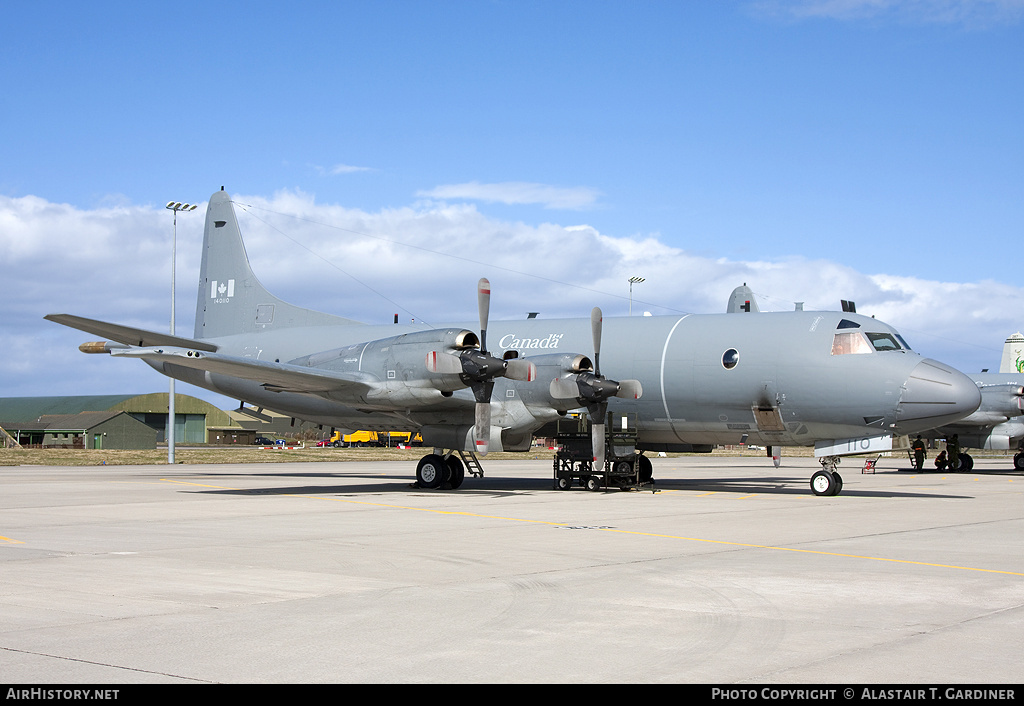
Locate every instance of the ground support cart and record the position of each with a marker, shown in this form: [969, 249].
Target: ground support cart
[623, 466]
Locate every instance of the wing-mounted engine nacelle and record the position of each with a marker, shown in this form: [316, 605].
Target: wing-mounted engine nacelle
[401, 358]
[463, 364]
[554, 369]
[998, 403]
[1006, 399]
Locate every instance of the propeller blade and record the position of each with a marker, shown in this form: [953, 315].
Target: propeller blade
[564, 388]
[519, 369]
[443, 363]
[597, 442]
[483, 297]
[482, 428]
[629, 390]
[595, 328]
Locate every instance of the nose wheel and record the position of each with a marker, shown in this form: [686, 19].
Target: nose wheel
[827, 481]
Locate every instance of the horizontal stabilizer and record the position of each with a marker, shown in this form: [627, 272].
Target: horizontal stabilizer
[128, 335]
[279, 377]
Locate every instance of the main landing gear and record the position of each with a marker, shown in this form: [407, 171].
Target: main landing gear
[443, 469]
[827, 481]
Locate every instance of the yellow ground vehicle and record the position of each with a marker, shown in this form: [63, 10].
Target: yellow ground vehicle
[375, 438]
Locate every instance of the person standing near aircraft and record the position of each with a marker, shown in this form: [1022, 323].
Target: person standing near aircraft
[918, 447]
[953, 455]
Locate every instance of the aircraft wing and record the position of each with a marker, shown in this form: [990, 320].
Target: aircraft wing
[276, 377]
[128, 335]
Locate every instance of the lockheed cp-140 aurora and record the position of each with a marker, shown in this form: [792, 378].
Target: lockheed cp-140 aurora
[841, 382]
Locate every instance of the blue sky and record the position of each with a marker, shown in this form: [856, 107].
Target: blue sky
[817, 149]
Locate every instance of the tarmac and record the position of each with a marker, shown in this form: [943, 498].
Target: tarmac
[733, 572]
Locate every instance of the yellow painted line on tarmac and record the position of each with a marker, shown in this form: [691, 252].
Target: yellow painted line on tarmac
[9, 540]
[632, 532]
[817, 551]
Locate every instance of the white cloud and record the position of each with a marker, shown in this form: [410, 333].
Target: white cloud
[347, 169]
[339, 169]
[518, 192]
[972, 13]
[419, 261]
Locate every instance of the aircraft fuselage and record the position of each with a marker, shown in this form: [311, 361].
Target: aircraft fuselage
[707, 379]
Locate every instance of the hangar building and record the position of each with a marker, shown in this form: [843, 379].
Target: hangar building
[111, 421]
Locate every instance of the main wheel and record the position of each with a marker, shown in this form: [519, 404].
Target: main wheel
[824, 483]
[1018, 461]
[430, 471]
[456, 472]
[646, 469]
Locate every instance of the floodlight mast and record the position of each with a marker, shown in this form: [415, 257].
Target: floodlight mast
[632, 281]
[174, 206]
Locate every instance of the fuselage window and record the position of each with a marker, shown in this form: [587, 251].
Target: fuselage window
[730, 359]
[850, 343]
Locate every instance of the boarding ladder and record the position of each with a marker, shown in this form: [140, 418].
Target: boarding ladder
[472, 463]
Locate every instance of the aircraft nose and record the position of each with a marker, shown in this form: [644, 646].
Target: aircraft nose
[935, 394]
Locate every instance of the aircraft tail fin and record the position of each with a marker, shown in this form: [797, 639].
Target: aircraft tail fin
[742, 300]
[231, 300]
[1013, 355]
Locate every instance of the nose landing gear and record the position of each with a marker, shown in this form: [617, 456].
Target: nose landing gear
[827, 481]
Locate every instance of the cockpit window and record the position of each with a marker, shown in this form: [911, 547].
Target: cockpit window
[846, 323]
[902, 342]
[883, 342]
[857, 343]
[850, 343]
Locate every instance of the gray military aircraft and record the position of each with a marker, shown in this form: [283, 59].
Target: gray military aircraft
[998, 423]
[842, 382]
